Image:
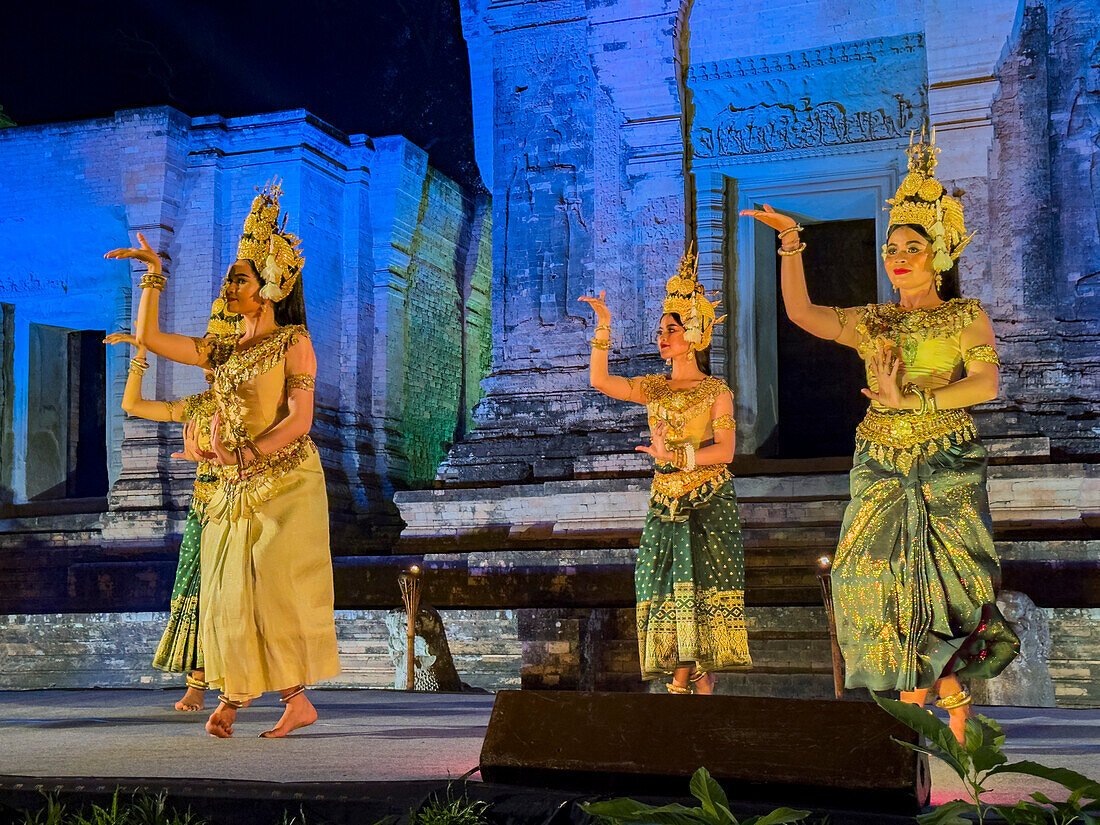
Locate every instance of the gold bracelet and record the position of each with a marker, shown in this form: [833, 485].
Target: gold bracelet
[912, 389]
[139, 366]
[601, 343]
[796, 251]
[603, 327]
[152, 280]
[931, 395]
[790, 229]
[689, 457]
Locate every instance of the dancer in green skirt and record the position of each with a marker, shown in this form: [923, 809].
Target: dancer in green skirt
[180, 648]
[690, 573]
[915, 569]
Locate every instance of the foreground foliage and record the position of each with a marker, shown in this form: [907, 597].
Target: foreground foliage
[980, 759]
[713, 809]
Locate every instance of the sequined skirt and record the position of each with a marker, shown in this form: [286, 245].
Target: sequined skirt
[914, 572]
[180, 648]
[690, 583]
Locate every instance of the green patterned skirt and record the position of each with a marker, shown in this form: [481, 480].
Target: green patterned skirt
[914, 572]
[690, 584]
[180, 649]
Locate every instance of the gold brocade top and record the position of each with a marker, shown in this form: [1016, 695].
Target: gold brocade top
[929, 343]
[688, 414]
[250, 387]
[200, 409]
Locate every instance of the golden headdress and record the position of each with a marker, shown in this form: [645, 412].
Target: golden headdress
[685, 296]
[269, 247]
[922, 201]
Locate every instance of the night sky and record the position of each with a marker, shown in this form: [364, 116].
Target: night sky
[377, 67]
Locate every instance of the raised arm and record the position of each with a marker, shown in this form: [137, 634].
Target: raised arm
[180, 348]
[598, 376]
[830, 323]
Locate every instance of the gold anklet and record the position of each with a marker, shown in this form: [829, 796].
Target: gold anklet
[225, 700]
[197, 684]
[675, 688]
[298, 692]
[955, 700]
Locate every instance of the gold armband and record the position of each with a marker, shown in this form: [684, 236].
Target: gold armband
[301, 381]
[724, 422]
[601, 343]
[982, 352]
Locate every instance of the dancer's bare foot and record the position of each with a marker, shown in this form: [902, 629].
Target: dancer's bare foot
[192, 700]
[298, 713]
[196, 686]
[220, 723]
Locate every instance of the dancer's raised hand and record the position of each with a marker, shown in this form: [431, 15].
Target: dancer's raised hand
[776, 220]
[603, 314]
[656, 448]
[885, 365]
[121, 338]
[145, 253]
[191, 450]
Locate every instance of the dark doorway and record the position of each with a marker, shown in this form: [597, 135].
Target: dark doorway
[66, 414]
[819, 382]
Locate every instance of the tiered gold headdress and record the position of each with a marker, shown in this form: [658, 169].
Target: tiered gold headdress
[687, 298]
[921, 200]
[269, 247]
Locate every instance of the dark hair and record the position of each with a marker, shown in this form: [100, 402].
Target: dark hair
[949, 285]
[290, 310]
[702, 356]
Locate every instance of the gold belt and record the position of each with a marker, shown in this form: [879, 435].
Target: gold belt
[268, 468]
[667, 487]
[898, 439]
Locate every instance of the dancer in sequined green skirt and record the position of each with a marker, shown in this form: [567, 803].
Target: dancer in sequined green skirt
[914, 573]
[690, 574]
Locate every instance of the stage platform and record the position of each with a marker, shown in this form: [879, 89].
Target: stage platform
[371, 754]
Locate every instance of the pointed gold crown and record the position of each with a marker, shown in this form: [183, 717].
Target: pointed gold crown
[921, 200]
[685, 296]
[269, 246]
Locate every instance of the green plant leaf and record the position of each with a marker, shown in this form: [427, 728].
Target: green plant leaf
[935, 752]
[984, 739]
[947, 814]
[1023, 813]
[704, 788]
[629, 810]
[1071, 780]
[924, 722]
[778, 817]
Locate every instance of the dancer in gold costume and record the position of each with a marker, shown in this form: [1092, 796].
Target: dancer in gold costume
[180, 648]
[690, 573]
[266, 603]
[914, 571]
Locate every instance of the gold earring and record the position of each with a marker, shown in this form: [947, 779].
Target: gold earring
[939, 281]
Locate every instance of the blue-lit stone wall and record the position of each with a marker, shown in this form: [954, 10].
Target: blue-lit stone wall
[612, 133]
[394, 253]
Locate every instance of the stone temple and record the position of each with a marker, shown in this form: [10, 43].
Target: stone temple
[455, 407]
